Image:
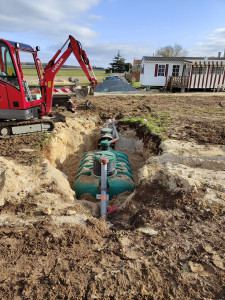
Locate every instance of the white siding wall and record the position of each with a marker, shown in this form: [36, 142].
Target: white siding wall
[148, 78]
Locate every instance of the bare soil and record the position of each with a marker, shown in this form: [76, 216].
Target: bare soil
[162, 245]
[200, 117]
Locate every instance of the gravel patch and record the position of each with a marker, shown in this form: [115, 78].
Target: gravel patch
[108, 86]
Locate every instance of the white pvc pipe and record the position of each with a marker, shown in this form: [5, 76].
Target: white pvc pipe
[116, 132]
[103, 177]
[104, 163]
[103, 205]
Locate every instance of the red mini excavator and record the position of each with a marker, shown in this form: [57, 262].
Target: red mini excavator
[22, 108]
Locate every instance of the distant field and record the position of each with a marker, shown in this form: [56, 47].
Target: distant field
[63, 74]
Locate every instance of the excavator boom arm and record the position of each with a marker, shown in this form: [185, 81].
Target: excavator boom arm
[55, 64]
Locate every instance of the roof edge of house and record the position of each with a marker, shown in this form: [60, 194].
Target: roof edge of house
[181, 58]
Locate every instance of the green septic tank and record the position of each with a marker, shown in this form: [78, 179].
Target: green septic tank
[119, 177]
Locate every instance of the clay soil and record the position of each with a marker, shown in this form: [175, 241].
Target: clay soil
[162, 246]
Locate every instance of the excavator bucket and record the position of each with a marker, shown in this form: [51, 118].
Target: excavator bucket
[83, 91]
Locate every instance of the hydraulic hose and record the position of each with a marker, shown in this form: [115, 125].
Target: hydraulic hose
[82, 53]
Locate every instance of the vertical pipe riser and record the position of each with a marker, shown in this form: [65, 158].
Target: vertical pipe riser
[104, 162]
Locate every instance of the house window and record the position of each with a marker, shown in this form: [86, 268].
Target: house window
[199, 70]
[142, 69]
[176, 69]
[161, 70]
[216, 70]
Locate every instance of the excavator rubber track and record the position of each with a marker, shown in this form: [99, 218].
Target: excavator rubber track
[17, 128]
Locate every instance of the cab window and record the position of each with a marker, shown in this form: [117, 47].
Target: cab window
[7, 70]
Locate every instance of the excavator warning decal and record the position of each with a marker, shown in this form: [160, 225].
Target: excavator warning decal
[57, 65]
[49, 84]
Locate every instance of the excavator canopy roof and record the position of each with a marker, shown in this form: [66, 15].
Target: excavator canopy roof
[21, 46]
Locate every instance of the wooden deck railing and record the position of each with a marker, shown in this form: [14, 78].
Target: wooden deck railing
[178, 82]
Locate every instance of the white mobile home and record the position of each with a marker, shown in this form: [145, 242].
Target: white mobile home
[183, 72]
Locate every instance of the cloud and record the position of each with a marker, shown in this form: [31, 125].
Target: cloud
[101, 54]
[49, 22]
[211, 45]
[52, 18]
[95, 17]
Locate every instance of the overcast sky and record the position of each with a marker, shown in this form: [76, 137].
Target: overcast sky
[136, 28]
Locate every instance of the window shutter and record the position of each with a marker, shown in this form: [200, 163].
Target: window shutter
[156, 70]
[167, 67]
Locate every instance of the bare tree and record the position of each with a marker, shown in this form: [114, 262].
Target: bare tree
[172, 51]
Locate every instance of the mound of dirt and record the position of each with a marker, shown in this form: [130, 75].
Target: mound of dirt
[188, 167]
[42, 185]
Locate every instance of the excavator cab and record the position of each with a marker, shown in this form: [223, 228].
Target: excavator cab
[16, 99]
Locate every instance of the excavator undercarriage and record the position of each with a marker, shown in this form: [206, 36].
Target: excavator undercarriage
[15, 128]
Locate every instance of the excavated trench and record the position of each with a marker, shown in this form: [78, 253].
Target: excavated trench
[72, 140]
[181, 167]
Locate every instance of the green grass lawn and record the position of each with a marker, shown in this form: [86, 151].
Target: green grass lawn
[136, 84]
[156, 123]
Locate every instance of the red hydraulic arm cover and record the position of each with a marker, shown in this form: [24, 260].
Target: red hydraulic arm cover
[50, 71]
